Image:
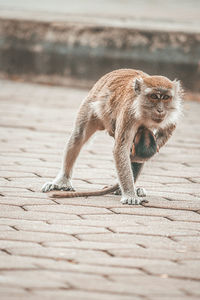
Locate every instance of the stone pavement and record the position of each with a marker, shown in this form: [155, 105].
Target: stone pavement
[93, 248]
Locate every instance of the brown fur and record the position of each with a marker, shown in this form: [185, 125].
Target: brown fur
[158, 81]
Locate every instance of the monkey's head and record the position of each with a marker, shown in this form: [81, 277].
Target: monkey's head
[144, 145]
[158, 100]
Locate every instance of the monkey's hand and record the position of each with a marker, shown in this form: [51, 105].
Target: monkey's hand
[131, 200]
[60, 183]
[162, 135]
[141, 192]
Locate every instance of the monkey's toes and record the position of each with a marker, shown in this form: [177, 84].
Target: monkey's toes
[50, 186]
[141, 192]
[131, 201]
[117, 192]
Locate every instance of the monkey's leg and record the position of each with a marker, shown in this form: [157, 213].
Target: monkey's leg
[80, 135]
[123, 166]
[136, 169]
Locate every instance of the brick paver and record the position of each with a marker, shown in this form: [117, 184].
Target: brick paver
[93, 248]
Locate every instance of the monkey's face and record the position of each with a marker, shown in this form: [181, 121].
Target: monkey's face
[158, 99]
[157, 104]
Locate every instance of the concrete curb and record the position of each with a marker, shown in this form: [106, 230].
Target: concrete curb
[78, 54]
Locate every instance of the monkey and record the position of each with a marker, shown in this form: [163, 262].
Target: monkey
[121, 102]
[144, 147]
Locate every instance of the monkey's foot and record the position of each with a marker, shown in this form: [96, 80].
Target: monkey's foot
[61, 184]
[50, 186]
[141, 192]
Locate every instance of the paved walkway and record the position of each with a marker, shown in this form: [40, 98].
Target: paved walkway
[93, 248]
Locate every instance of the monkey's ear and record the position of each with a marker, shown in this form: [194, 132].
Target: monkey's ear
[137, 85]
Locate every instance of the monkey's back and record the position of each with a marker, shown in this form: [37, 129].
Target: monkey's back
[112, 91]
[117, 80]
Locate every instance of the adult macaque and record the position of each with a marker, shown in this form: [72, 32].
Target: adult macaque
[125, 103]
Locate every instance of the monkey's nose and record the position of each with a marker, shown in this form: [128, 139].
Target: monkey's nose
[160, 110]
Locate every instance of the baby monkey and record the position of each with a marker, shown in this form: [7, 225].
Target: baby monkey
[144, 147]
[130, 105]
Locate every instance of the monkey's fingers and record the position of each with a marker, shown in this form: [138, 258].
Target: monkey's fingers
[133, 150]
[144, 201]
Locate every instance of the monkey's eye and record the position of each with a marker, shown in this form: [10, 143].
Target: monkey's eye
[166, 97]
[154, 96]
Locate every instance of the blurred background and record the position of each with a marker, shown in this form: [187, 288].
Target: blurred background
[95, 248]
[66, 42]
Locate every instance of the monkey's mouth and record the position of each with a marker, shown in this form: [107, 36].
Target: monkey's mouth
[157, 120]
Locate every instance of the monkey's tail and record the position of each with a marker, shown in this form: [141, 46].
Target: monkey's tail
[70, 194]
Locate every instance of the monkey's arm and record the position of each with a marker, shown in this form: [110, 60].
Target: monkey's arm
[123, 140]
[162, 135]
